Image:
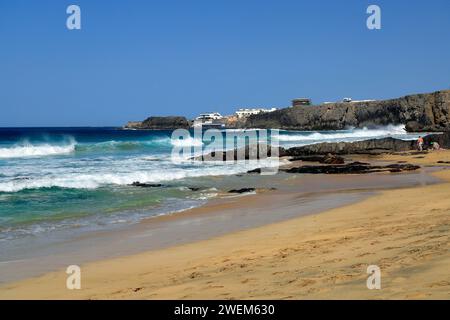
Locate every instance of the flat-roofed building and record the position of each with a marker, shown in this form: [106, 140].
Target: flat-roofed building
[209, 116]
[301, 102]
[244, 113]
[209, 119]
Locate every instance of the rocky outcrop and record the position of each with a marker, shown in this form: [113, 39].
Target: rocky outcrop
[249, 152]
[146, 185]
[373, 146]
[327, 159]
[133, 125]
[354, 168]
[242, 190]
[328, 152]
[160, 123]
[419, 112]
[443, 139]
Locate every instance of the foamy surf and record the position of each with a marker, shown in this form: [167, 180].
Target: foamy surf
[189, 142]
[57, 178]
[74, 179]
[29, 150]
[351, 135]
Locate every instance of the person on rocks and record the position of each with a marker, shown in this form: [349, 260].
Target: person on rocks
[435, 146]
[420, 144]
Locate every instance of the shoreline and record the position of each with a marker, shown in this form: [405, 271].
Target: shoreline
[295, 195]
[216, 217]
[46, 287]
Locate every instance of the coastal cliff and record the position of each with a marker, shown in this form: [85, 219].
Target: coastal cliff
[372, 146]
[419, 112]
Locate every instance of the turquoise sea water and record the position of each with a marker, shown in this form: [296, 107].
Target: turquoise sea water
[80, 178]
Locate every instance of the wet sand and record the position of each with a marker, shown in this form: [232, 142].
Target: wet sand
[265, 246]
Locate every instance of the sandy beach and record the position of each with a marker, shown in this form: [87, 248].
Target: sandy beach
[324, 255]
[201, 157]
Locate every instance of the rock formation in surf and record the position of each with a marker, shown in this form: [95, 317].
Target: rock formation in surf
[160, 123]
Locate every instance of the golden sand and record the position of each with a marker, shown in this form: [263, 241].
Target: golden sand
[406, 232]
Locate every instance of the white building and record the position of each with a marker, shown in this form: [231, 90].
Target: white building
[244, 113]
[356, 101]
[209, 119]
[347, 100]
[209, 116]
[350, 100]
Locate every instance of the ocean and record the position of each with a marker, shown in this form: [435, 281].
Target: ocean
[80, 179]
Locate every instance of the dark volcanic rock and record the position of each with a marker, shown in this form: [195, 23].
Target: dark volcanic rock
[257, 170]
[354, 167]
[146, 185]
[328, 159]
[307, 158]
[133, 125]
[250, 152]
[419, 112]
[400, 167]
[160, 123]
[243, 190]
[166, 123]
[373, 146]
[333, 159]
[412, 153]
[442, 139]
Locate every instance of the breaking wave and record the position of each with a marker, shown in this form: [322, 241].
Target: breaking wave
[107, 176]
[113, 145]
[354, 134]
[189, 142]
[26, 149]
[30, 150]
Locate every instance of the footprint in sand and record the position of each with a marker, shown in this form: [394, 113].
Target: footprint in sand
[194, 275]
[364, 254]
[440, 284]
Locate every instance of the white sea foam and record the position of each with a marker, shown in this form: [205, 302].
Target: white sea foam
[354, 134]
[112, 176]
[30, 150]
[25, 149]
[187, 142]
[106, 170]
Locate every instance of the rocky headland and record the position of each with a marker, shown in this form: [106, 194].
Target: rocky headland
[160, 123]
[429, 112]
[419, 112]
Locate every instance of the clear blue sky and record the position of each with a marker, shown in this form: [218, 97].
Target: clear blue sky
[133, 59]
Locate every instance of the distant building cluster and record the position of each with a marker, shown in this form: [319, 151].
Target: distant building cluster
[209, 116]
[212, 119]
[348, 100]
[301, 102]
[215, 119]
[244, 113]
